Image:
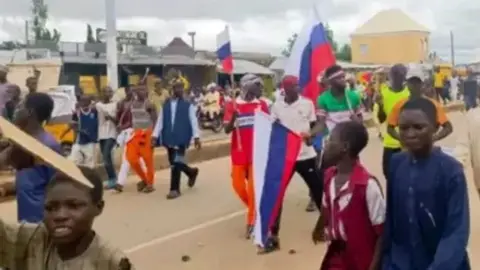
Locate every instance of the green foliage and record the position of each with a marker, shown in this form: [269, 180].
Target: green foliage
[40, 30]
[291, 40]
[344, 53]
[11, 45]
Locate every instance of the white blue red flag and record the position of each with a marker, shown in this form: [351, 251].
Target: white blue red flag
[224, 51]
[275, 151]
[311, 54]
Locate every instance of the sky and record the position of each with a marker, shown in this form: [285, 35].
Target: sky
[256, 26]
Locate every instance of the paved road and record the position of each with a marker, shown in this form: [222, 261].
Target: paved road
[208, 221]
[208, 135]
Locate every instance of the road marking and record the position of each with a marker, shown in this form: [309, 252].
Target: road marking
[168, 237]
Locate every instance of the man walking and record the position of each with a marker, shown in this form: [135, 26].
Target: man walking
[175, 127]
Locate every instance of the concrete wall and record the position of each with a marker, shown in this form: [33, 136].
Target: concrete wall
[387, 49]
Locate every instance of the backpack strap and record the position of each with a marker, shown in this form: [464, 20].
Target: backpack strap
[378, 183]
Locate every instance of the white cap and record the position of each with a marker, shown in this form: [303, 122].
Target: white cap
[248, 79]
[415, 72]
[211, 86]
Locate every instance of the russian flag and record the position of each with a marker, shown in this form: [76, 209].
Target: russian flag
[224, 51]
[310, 56]
[275, 151]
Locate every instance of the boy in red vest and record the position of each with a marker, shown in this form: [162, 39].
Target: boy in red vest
[353, 203]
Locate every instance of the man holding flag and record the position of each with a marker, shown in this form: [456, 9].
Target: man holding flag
[238, 117]
[297, 113]
[310, 56]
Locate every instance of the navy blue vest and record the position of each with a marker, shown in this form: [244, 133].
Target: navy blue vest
[179, 133]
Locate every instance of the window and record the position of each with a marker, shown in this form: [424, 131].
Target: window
[363, 49]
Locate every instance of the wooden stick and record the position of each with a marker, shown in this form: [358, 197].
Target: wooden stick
[234, 103]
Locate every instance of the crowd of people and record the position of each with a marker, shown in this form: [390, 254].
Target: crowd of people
[421, 223]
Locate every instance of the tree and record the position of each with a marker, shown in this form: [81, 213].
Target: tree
[291, 40]
[11, 45]
[331, 38]
[344, 53]
[90, 38]
[40, 30]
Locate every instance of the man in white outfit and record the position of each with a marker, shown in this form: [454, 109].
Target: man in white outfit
[454, 84]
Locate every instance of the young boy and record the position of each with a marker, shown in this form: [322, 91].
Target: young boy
[353, 203]
[238, 120]
[85, 122]
[65, 239]
[124, 128]
[14, 93]
[107, 132]
[428, 218]
[31, 178]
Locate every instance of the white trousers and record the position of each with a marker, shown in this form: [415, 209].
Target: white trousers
[125, 168]
[84, 154]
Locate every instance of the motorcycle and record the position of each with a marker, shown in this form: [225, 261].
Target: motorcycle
[207, 121]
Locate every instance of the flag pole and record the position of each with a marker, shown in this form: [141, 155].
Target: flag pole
[234, 99]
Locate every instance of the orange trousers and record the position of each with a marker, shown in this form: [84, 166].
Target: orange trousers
[140, 147]
[242, 181]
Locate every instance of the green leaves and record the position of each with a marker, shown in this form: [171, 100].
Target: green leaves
[344, 53]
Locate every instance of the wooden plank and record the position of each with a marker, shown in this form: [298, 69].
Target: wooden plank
[36, 148]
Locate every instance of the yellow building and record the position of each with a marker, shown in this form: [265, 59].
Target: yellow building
[390, 37]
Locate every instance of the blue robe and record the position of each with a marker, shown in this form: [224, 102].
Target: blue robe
[427, 223]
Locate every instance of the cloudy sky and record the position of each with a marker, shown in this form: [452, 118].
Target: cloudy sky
[263, 25]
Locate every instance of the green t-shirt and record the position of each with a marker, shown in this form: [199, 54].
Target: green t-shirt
[338, 110]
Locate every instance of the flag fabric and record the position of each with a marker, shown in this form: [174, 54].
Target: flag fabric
[275, 151]
[224, 51]
[311, 54]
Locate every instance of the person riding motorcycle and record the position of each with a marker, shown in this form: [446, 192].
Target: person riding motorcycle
[210, 106]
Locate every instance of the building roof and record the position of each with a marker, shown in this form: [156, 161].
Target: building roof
[178, 47]
[389, 21]
[244, 66]
[145, 60]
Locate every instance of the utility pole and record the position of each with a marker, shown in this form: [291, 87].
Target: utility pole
[112, 50]
[27, 33]
[452, 49]
[192, 39]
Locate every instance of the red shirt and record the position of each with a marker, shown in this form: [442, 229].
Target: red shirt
[246, 111]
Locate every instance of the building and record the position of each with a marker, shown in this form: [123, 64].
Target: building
[389, 37]
[280, 62]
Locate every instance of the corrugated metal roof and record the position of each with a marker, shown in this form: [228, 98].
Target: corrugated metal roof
[244, 66]
[125, 60]
[389, 21]
[280, 62]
